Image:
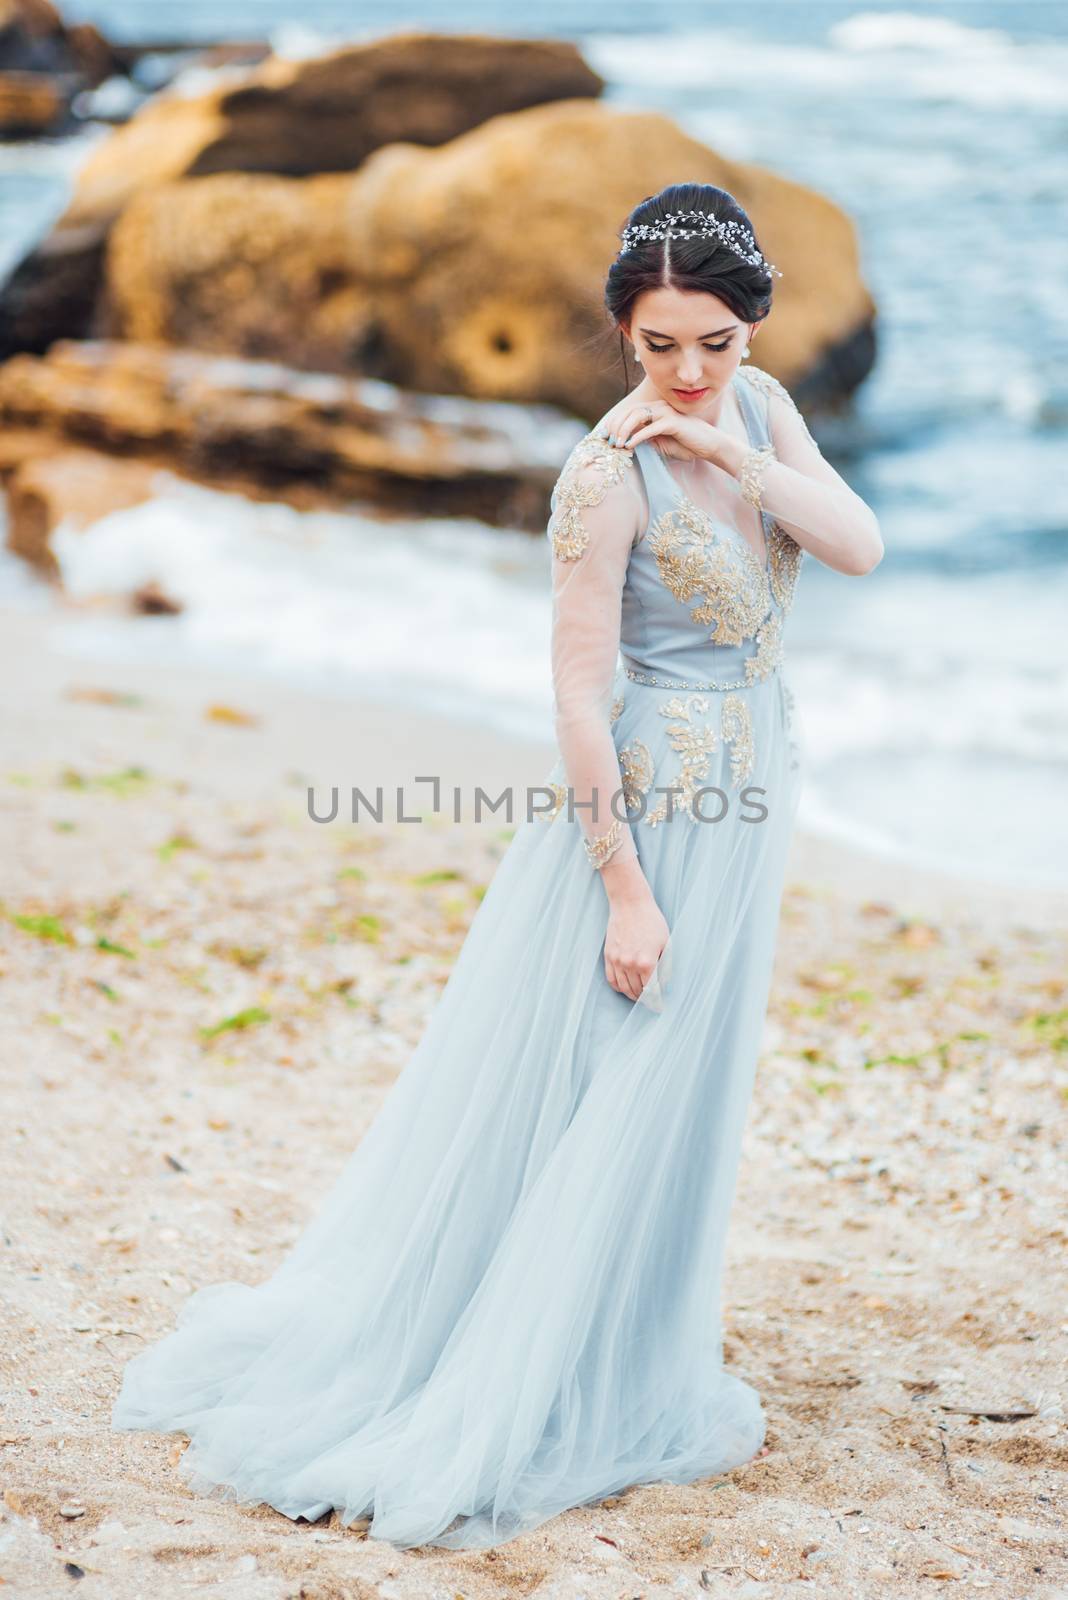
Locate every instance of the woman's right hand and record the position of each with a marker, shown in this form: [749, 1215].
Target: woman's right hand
[641, 392]
[635, 940]
[636, 408]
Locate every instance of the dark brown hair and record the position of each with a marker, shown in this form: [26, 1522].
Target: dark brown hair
[697, 264]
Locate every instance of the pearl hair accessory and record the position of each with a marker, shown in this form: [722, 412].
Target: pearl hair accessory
[732, 233]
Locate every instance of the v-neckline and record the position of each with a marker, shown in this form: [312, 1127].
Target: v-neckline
[707, 516]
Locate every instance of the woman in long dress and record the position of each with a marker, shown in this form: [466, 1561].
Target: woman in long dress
[508, 1303]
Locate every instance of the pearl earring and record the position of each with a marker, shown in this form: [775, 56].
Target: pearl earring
[745, 352]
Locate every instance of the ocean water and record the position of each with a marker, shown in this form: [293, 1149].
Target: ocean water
[934, 693]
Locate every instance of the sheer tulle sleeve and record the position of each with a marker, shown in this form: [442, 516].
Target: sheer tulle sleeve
[597, 510]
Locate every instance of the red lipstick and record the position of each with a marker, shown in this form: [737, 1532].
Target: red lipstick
[690, 394]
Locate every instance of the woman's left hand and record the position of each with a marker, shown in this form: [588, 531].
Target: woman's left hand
[676, 434]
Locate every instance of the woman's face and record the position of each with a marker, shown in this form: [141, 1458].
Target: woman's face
[689, 343]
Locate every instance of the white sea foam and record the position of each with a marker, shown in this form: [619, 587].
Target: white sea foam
[447, 610]
[981, 68]
[931, 706]
[911, 30]
[296, 41]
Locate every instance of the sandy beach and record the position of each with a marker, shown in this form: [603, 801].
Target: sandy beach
[205, 997]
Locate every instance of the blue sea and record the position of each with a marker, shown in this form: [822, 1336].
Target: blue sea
[933, 694]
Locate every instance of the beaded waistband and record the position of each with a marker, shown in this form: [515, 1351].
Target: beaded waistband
[683, 683]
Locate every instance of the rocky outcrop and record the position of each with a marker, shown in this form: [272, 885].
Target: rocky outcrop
[315, 439]
[49, 483]
[284, 117]
[330, 114]
[486, 259]
[33, 38]
[43, 64]
[54, 482]
[30, 104]
[252, 266]
[475, 268]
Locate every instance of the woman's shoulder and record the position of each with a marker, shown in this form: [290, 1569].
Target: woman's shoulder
[598, 459]
[757, 378]
[776, 394]
[595, 473]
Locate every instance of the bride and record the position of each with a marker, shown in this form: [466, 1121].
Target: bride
[508, 1303]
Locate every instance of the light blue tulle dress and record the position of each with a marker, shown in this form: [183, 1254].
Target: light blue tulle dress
[509, 1301]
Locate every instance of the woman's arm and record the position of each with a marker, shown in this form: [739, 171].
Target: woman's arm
[598, 508]
[806, 496]
[595, 513]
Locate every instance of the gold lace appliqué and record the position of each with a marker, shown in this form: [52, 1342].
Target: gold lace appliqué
[637, 769]
[695, 744]
[695, 560]
[566, 529]
[738, 733]
[784, 564]
[769, 651]
[559, 796]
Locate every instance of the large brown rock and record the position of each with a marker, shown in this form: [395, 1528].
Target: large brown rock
[290, 118]
[328, 114]
[35, 39]
[44, 62]
[250, 265]
[476, 268]
[486, 259]
[27, 28]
